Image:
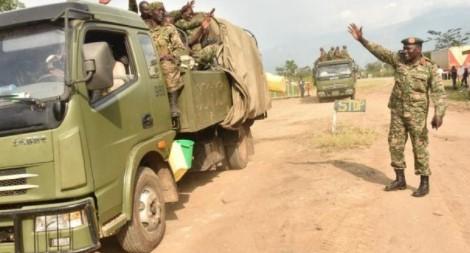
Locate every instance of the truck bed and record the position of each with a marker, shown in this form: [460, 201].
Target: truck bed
[205, 100]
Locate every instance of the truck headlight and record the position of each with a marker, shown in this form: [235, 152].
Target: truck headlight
[349, 91]
[60, 221]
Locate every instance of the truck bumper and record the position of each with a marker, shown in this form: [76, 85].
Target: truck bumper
[335, 92]
[64, 227]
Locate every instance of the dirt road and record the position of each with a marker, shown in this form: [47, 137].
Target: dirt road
[295, 198]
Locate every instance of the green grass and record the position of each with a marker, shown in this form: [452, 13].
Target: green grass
[373, 83]
[459, 95]
[346, 137]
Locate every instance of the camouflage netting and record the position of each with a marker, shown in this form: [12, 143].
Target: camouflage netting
[241, 59]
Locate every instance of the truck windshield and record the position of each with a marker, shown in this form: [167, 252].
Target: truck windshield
[334, 71]
[32, 61]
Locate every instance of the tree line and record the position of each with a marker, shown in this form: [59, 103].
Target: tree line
[292, 72]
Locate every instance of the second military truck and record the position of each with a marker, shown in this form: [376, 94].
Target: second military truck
[335, 78]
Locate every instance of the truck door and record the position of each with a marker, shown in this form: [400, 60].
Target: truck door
[115, 119]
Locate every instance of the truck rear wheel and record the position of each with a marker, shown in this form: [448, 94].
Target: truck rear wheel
[145, 231]
[237, 152]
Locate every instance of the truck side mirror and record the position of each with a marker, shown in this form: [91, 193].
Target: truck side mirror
[99, 64]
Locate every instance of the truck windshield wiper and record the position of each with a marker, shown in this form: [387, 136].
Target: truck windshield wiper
[21, 98]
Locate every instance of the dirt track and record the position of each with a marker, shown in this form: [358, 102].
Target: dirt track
[294, 198]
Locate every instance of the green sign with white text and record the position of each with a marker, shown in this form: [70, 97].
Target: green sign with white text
[350, 105]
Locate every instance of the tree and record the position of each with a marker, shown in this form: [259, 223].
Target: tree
[451, 38]
[7, 5]
[379, 69]
[304, 73]
[288, 70]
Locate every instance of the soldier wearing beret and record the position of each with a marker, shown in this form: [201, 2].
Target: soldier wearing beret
[416, 81]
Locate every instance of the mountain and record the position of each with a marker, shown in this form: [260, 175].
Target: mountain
[304, 48]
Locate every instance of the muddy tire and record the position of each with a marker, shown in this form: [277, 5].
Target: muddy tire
[237, 153]
[147, 227]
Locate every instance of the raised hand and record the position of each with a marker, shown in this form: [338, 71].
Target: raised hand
[355, 31]
[207, 19]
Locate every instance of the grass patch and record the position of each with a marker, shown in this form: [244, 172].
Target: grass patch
[346, 137]
[459, 95]
[374, 83]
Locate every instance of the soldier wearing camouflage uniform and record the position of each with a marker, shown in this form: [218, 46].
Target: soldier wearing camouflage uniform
[170, 48]
[416, 80]
[344, 53]
[337, 53]
[196, 26]
[145, 14]
[331, 54]
[322, 57]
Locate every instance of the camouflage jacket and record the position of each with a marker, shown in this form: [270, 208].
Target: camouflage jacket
[191, 27]
[414, 83]
[194, 23]
[168, 41]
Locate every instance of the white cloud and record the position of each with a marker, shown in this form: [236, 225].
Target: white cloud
[346, 14]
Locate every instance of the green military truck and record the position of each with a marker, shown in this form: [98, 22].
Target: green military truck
[335, 78]
[81, 161]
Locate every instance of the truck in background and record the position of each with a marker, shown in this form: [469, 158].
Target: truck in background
[335, 78]
[79, 161]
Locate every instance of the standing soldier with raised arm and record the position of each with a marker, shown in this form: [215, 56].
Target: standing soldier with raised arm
[197, 28]
[416, 80]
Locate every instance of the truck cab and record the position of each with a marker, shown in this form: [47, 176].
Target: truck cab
[335, 78]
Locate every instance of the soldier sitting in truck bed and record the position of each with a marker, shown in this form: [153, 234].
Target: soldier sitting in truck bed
[197, 28]
[322, 56]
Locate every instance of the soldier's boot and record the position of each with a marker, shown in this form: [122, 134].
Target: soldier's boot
[399, 183]
[174, 110]
[423, 188]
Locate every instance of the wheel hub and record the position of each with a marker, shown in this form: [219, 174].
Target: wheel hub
[150, 209]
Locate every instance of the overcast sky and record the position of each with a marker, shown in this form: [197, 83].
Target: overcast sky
[277, 23]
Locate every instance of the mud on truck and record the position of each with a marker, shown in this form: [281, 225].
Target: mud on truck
[80, 162]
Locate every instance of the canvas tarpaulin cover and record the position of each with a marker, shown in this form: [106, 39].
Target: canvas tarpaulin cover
[241, 59]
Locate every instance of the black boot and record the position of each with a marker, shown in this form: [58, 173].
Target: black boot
[399, 183]
[173, 96]
[423, 188]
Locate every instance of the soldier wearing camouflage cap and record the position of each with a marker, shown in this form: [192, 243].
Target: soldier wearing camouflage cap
[170, 48]
[416, 80]
[197, 27]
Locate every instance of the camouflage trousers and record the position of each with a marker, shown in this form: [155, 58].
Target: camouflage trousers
[205, 56]
[172, 76]
[403, 125]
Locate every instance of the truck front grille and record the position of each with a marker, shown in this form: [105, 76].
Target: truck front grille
[14, 182]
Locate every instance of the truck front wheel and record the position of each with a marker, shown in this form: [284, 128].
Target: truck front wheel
[145, 231]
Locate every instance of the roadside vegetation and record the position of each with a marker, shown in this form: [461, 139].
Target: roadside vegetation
[345, 137]
[459, 95]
